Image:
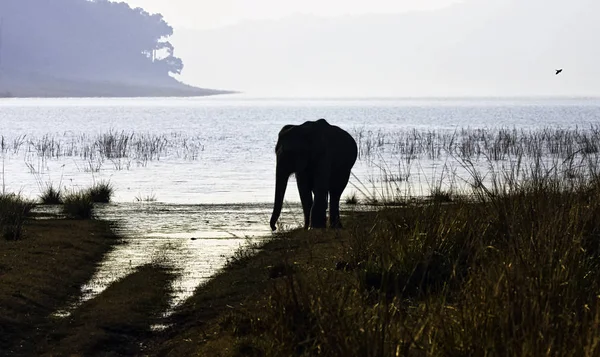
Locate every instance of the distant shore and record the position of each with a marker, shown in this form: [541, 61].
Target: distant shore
[36, 86]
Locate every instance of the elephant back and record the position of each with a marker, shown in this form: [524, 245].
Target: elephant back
[319, 138]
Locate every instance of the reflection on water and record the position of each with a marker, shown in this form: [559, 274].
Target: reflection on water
[194, 240]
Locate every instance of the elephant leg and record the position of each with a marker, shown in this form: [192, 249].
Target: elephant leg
[321, 179]
[334, 209]
[305, 191]
[318, 213]
[338, 185]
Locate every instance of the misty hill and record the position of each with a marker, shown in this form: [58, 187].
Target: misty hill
[477, 47]
[86, 48]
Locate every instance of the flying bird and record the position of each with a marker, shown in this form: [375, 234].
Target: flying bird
[558, 71]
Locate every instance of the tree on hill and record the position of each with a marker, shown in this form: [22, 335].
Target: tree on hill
[86, 39]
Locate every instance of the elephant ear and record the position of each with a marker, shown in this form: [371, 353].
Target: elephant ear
[293, 138]
[285, 139]
[308, 137]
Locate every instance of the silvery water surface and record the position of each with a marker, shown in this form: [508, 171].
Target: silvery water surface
[212, 176]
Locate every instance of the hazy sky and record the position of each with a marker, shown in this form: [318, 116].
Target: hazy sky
[202, 14]
[386, 48]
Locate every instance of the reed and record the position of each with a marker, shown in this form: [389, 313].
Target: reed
[120, 147]
[495, 144]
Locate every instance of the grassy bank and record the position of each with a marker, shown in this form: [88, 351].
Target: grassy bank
[43, 272]
[510, 271]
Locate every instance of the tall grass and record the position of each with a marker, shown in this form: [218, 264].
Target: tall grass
[512, 270]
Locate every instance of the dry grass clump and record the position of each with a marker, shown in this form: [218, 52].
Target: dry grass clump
[352, 199]
[101, 192]
[78, 205]
[147, 198]
[51, 195]
[13, 213]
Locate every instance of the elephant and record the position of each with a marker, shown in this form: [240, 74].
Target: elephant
[321, 156]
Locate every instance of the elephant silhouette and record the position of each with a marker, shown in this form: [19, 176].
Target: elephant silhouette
[321, 156]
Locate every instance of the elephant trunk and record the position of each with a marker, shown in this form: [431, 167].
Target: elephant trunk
[280, 187]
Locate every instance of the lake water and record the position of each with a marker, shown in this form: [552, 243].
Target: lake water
[208, 164]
